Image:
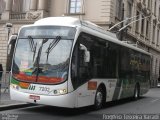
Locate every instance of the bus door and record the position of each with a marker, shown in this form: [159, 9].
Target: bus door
[81, 70]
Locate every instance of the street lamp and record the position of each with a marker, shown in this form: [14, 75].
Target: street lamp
[9, 26]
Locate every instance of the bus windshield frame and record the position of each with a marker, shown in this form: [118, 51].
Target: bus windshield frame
[43, 56]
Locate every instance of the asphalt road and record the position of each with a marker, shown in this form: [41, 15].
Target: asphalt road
[147, 107]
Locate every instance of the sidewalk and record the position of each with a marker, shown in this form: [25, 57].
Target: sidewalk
[6, 103]
[5, 98]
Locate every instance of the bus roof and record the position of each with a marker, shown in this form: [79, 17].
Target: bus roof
[89, 26]
[73, 22]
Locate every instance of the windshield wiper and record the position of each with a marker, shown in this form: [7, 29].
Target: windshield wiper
[38, 69]
[52, 45]
[33, 46]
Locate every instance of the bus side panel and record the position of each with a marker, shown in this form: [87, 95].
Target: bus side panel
[85, 97]
[134, 69]
[86, 93]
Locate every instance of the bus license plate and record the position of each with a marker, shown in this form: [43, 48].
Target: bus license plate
[34, 97]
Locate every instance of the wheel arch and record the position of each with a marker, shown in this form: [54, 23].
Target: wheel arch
[102, 85]
[138, 85]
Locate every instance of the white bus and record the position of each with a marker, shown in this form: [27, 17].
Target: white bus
[66, 62]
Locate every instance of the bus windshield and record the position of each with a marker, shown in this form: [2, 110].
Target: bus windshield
[42, 54]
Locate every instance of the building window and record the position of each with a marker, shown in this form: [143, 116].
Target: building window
[142, 26]
[155, 6]
[153, 34]
[20, 5]
[144, 1]
[119, 6]
[156, 66]
[147, 29]
[26, 5]
[159, 14]
[149, 4]
[158, 37]
[2, 5]
[17, 6]
[137, 23]
[130, 8]
[76, 6]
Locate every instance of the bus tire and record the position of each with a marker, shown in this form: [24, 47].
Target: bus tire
[99, 98]
[136, 92]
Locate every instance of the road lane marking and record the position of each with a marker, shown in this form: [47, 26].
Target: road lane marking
[155, 100]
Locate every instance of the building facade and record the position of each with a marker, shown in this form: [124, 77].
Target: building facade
[144, 33]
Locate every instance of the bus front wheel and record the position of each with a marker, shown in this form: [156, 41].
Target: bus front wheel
[99, 98]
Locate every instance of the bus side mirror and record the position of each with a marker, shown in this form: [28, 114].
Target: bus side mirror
[11, 42]
[86, 53]
[12, 39]
[87, 57]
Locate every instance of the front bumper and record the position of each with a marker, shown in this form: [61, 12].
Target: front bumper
[67, 100]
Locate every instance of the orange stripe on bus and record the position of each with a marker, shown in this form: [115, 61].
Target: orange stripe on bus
[24, 85]
[92, 85]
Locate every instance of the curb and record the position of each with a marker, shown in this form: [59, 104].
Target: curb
[15, 106]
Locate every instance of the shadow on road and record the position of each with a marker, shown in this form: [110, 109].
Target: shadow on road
[121, 102]
[57, 111]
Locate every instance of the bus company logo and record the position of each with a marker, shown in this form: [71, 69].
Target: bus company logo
[32, 87]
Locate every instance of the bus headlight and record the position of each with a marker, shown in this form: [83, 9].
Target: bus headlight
[14, 86]
[60, 92]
